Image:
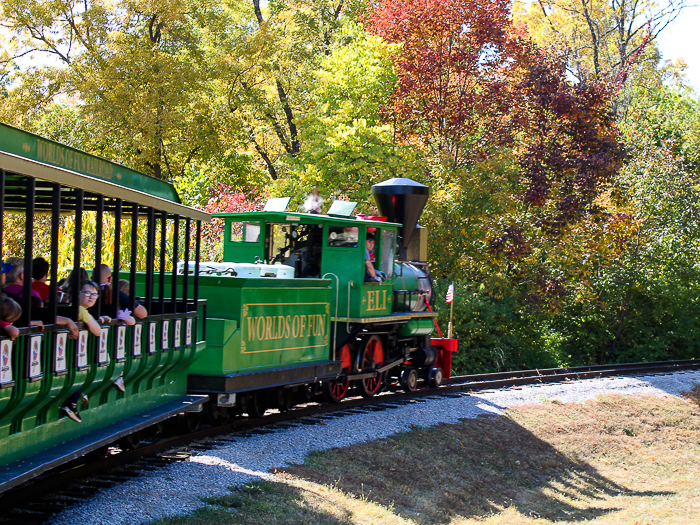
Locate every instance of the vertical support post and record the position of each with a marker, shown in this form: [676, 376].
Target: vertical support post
[150, 258]
[78, 241]
[176, 252]
[116, 265]
[55, 225]
[134, 253]
[28, 249]
[197, 253]
[161, 277]
[186, 276]
[2, 211]
[97, 272]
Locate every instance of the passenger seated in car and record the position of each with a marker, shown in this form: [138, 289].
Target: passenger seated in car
[105, 279]
[40, 274]
[14, 283]
[87, 297]
[89, 293]
[10, 311]
[65, 290]
[15, 290]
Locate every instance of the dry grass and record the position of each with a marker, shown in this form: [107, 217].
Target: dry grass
[615, 460]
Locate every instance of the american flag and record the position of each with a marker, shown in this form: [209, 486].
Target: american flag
[450, 293]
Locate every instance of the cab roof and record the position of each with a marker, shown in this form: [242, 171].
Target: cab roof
[305, 218]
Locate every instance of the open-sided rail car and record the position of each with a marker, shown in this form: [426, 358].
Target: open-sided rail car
[41, 368]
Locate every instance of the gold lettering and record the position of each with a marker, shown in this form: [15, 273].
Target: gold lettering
[322, 319]
[260, 329]
[287, 327]
[295, 326]
[312, 328]
[280, 327]
[303, 325]
[251, 328]
[268, 327]
[384, 299]
[370, 301]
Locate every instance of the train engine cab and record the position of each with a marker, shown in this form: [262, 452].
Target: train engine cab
[377, 331]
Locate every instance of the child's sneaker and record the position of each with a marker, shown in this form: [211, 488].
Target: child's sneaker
[119, 384]
[72, 413]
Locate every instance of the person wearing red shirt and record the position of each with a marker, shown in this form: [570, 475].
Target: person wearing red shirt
[40, 274]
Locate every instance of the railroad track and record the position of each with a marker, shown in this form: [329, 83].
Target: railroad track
[36, 502]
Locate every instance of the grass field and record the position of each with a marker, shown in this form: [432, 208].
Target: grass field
[614, 460]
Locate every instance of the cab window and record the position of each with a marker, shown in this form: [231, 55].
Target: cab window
[388, 241]
[343, 236]
[245, 232]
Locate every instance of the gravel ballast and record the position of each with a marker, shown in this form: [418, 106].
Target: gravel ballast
[177, 488]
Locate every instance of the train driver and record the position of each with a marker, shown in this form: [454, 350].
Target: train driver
[370, 273]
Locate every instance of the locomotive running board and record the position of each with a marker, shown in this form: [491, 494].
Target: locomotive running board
[269, 378]
[30, 467]
[398, 317]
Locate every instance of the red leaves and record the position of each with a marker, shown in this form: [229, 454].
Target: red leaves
[453, 69]
[573, 142]
[470, 81]
[511, 243]
[225, 199]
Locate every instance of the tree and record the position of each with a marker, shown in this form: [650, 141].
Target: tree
[608, 40]
[456, 65]
[471, 85]
[348, 143]
[269, 83]
[134, 69]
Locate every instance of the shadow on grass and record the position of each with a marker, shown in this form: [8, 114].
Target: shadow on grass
[262, 502]
[432, 475]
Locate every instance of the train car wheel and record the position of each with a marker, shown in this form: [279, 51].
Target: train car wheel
[310, 390]
[371, 357]
[187, 422]
[435, 377]
[256, 404]
[409, 379]
[130, 442]
[99, 454]
[336, 389]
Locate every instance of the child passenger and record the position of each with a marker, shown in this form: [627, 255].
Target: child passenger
[89, 292]
[87, 297]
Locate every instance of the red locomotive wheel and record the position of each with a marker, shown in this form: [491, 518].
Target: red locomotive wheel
[337, 389]
[371, 358]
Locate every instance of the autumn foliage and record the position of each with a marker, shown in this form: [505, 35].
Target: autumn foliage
[456, 68]
[224, 198]
[471, 82]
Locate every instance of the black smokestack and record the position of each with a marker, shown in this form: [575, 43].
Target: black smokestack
[401, 200]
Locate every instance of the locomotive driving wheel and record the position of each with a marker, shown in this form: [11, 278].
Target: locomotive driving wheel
[337, 389]
[371, 358]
